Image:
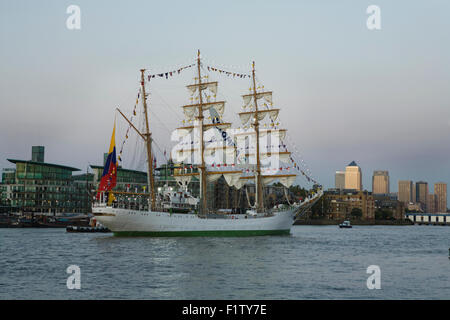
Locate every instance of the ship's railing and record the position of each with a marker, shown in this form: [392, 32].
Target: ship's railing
[138, 202]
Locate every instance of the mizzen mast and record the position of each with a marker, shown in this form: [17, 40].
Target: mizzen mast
[200, 118]
[254, 115]
[258, 182]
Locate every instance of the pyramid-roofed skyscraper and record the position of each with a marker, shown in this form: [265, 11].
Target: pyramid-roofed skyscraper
[353, 177]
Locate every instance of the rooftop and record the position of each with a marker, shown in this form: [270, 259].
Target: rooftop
[120, 169]
[43, 164]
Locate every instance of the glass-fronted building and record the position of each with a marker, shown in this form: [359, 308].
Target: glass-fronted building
[38, 187]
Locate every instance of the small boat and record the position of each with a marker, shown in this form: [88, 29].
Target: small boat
[345, 224]
[86, 229]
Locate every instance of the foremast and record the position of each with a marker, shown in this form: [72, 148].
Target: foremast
[148, 142]
[147, 137]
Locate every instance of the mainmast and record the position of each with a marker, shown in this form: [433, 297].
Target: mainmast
[258, 182]
[195, 112]
[148, 140]
[200, 118]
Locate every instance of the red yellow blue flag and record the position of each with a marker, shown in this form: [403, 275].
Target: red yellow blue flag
[109, 176]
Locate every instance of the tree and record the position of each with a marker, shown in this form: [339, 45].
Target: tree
[356, 213]
[383, 214]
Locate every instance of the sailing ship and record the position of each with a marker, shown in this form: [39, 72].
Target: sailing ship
[249, 155]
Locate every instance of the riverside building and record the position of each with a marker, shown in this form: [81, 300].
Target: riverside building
[342, 203]
[38, 187]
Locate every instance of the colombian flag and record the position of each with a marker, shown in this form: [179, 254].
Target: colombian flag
[109, 176]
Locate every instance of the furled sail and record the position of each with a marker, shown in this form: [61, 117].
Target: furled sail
[273, 158]
[212, 86]
[248, 98]
[260, 114]
[191, 110]
[285, 179]
[219, 151]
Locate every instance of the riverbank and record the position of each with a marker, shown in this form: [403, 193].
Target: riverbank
[328, 222]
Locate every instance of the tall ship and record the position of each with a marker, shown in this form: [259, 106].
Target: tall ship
[251, 155]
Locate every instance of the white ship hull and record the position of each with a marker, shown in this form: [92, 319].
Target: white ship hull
[126, 222]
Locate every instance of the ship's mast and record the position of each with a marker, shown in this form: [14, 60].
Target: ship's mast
[202, 167]
[258, 182]
[148, 140]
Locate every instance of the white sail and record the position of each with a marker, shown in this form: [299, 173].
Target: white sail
[191, 111]
[212, 86]
[267, 95]
[261, 115]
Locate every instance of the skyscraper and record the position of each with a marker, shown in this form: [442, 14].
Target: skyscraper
[405, 191]
[353, 177]
[431, 203]
[422, 194]
[339, 180]
[440, 190]
[380, 182]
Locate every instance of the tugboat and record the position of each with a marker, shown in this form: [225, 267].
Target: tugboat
[345, 224]
[94, 226]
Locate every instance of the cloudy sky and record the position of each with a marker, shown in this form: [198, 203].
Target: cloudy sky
[379, 97]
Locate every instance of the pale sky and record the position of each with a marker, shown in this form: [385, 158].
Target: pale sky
[379, 97]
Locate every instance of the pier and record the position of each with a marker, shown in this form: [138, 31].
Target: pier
[441, 219]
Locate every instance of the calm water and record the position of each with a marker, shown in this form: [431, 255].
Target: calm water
[322, 262]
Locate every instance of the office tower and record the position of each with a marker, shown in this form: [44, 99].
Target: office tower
[380, 182]
[422, 194]
[339, 180]
[405, 191]
[431, 203]
[440, 190]
[353, 177]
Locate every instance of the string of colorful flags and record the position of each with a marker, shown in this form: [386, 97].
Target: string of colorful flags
[306, 172]
[307, 177]
[178, 71]
[129, 126]
[228, 73]
[169, 73]
[294, 162]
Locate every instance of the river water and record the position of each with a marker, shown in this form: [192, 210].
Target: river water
[314, 262]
